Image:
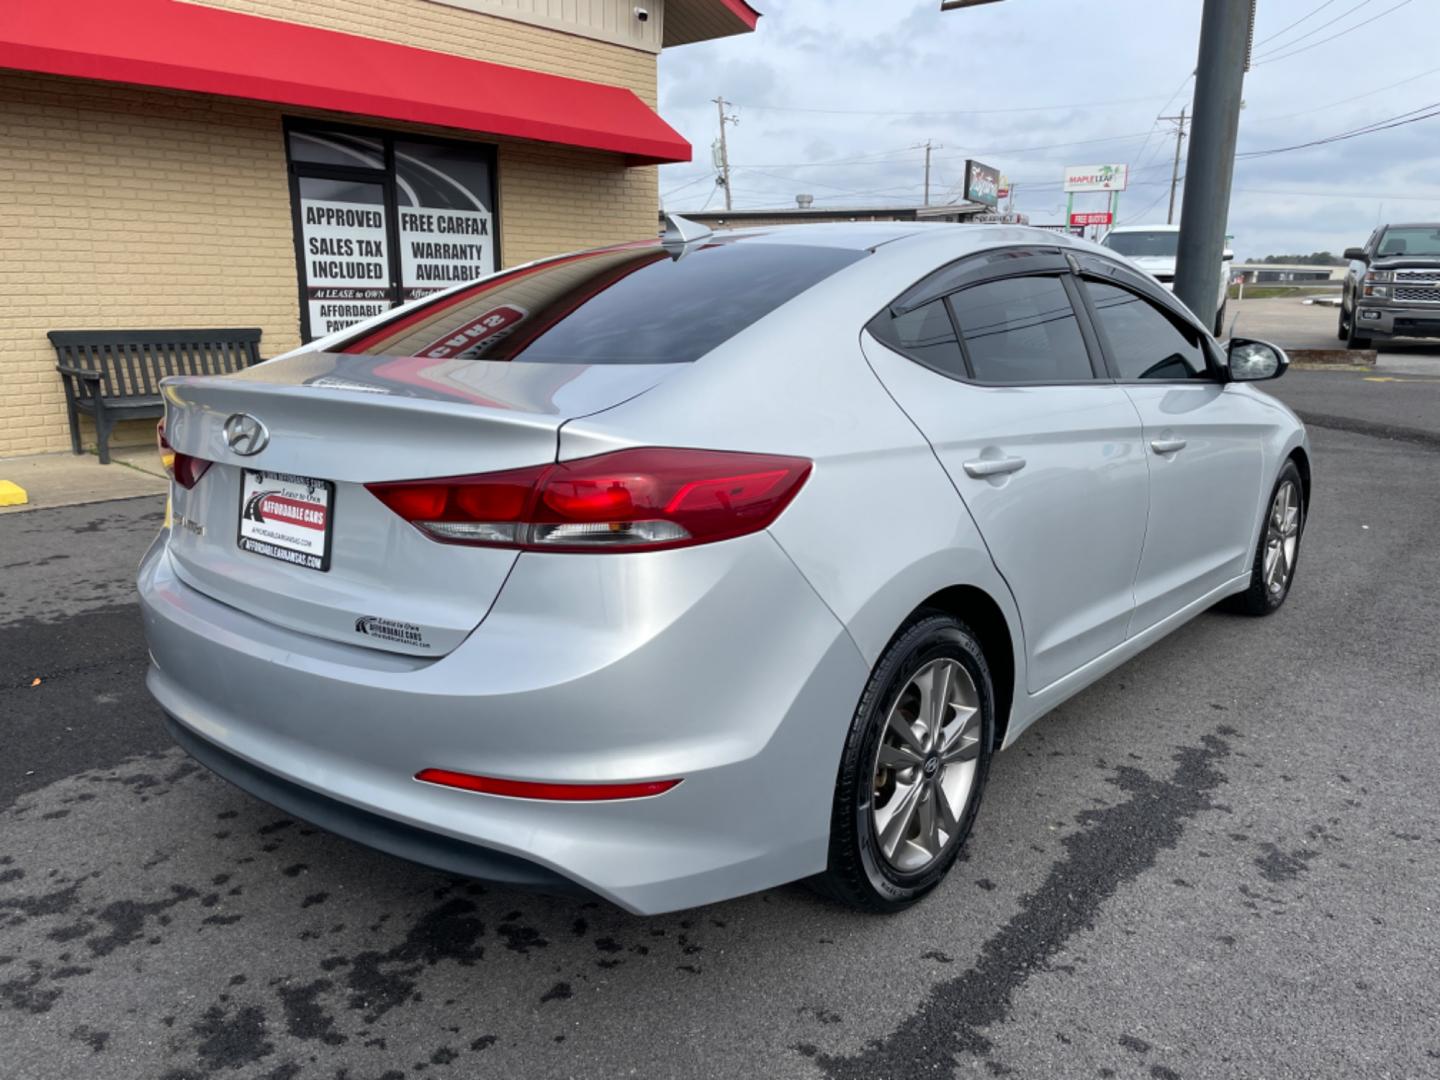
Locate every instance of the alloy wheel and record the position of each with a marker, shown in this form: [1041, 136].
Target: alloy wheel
[1282, 538]
[925, 764]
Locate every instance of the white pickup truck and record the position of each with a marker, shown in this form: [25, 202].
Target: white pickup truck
[1152, 248]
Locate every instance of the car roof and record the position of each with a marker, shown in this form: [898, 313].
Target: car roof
[868, 235]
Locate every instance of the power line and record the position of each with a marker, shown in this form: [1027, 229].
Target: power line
[1341, 195]
[1136, 217]
[682, 187]
[1272, 58]
[1399, 120]
[1346, 101]
[1294, 24]
[955, 112]
[1311, 33]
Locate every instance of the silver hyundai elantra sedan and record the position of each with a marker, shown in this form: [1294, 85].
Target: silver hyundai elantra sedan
[681, 569]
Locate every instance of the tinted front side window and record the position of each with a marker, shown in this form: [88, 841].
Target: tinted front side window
[1145, 343]
[633, 305]
[1021, 330]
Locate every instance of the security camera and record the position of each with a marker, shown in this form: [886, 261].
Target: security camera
[643, 14]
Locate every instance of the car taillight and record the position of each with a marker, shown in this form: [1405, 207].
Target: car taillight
[185, 469]
[643, 499]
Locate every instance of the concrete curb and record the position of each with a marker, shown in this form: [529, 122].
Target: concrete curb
[1334, 358]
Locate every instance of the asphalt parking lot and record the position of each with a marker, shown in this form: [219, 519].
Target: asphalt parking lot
[1222, 860]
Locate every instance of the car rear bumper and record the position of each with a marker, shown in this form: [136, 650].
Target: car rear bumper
[716, 664]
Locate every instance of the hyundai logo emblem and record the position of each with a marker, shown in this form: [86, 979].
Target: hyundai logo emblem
[245, 435]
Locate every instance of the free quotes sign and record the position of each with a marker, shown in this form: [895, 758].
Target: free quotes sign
[347, 264]
[439, 248]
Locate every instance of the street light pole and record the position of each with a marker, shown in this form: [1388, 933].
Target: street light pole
[1225, 29]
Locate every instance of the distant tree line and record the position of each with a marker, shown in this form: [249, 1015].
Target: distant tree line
[1315, 258]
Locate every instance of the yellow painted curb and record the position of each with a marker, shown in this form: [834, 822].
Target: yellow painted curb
[12, 494]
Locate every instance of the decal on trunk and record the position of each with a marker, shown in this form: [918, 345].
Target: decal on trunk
[401, 633]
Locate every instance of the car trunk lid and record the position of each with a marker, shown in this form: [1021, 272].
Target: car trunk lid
[288, 532]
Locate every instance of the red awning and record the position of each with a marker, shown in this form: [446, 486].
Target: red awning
[181, 46]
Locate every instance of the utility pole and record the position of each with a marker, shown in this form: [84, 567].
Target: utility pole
[1179, 122]
[1226, 30]
[929, 146]
[720, 104]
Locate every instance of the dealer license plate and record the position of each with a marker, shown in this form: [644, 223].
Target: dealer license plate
[287, 518]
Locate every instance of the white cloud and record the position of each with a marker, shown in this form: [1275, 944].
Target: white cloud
[868, 63]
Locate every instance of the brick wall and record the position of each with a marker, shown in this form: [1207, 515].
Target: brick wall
[131, 208]
[125, 207]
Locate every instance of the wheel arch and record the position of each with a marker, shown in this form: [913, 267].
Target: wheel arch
[978, 610]
[1302, 464]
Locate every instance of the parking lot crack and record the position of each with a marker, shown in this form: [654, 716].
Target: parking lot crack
[1114, 847]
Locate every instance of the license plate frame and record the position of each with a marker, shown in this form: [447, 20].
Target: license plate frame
[286, 536]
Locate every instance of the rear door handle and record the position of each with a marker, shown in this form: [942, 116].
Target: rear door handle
[983, 467]
[1167, 446]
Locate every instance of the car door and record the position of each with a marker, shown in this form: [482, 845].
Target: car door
[991, 363]
[1203, 442]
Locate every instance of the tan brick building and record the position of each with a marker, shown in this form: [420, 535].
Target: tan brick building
[296, 164]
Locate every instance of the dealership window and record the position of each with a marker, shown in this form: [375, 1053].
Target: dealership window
[381, 219]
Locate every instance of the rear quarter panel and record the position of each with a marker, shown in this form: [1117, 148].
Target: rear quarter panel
[879, 527]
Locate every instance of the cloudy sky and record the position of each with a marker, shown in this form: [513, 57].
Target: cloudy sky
[833, 96]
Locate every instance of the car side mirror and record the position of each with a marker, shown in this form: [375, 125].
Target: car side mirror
[1227, 256]
[1253, 361]
[1356, 255]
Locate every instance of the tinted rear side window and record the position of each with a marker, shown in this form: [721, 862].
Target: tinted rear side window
[634, 305]
[925, 334]
[1022, 330]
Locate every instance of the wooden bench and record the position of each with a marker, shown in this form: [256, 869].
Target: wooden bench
[114, 375]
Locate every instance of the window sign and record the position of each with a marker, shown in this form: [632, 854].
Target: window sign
[347, 261]
[446, 231]
[380, 220]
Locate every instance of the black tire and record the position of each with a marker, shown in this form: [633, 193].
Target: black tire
[1343, 330]
[1354, 340]
[1259, 599]
[857, 874]
[1220, 319]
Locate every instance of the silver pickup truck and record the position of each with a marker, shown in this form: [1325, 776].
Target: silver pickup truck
[1392, 288]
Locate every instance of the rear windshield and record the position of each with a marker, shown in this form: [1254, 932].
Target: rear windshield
[632, 305]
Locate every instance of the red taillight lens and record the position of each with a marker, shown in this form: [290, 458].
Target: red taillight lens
[185, 470]
[529, 789]
[643, 499]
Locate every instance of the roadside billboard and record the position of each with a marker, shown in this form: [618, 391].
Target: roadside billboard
[1096, 177]
[982, 183]
[1097, 217]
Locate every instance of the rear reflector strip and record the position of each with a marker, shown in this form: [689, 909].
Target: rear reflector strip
[525, 789]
